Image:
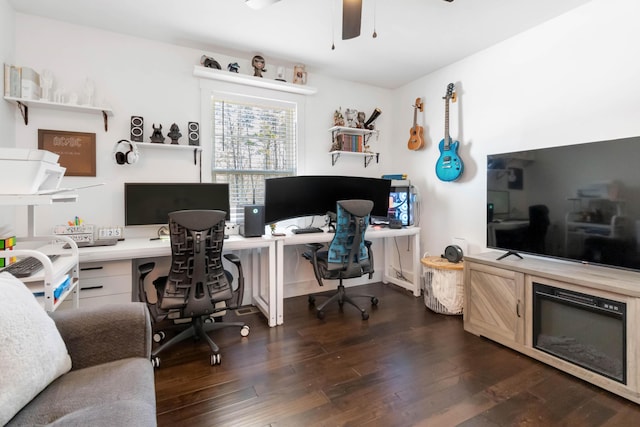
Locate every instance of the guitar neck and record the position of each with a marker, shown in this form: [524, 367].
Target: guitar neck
[447, 138]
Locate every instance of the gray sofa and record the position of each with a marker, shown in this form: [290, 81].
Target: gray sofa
[111, 382]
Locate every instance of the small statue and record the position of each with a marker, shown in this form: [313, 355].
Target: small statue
[233, 67]
[338, 118]
[209, 62]
[361, 119]
[350, 113]
[174, 133]
[156, 136]
[299, 75]
[258, 65]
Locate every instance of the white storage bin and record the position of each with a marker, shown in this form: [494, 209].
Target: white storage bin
[443, 285]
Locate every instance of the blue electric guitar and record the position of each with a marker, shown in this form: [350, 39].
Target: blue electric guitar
[449, 167]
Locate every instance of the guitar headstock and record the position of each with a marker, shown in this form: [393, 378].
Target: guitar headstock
[451, 95]
[419, 104]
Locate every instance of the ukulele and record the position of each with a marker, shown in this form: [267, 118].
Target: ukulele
[449, 167]
[416, 141]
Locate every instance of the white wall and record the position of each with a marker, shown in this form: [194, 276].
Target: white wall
[7, 111]
[141, 77]
[573, 79]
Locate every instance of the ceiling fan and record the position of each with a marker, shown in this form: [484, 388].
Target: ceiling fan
[352, 18]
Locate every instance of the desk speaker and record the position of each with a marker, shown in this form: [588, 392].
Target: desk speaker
[137, 128]
[253, 221]
[194, 133]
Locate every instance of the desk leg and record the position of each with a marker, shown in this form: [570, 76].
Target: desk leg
[279, 288]
[388, 274]
[264, 272]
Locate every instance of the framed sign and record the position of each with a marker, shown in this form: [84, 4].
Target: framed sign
[77, 150]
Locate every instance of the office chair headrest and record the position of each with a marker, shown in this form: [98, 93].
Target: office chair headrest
[357, 207]
[198, 220]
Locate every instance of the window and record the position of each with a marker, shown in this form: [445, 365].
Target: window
[253, 139]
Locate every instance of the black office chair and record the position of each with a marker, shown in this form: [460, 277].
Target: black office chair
[348, 255]
[538, 225]
[197, 289]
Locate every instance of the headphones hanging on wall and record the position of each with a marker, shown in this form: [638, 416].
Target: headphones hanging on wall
[125, 152]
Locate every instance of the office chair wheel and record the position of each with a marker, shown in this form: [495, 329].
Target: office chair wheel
[312, 300]
[155, 361]
[215, 359]
[244, 331]
[159, 336]
[374, 301]
[320, 314]
[365, 315]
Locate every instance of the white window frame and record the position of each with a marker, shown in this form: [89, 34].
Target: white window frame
[242, 93]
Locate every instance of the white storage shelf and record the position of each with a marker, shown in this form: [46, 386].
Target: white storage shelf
[54, 273]
[44, 283]
[345, 130]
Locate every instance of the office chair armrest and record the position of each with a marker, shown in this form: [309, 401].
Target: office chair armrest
[98, 335]
[312, 255]
[239, 292]
[367, 243]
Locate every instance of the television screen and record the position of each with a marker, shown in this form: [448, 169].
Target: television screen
[150, 203]
[579, 202]
[308, 195]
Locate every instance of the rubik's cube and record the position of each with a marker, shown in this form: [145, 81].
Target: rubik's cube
[7, 244]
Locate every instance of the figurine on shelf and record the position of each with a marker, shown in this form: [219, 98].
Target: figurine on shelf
[361, 118]
[299, 75]
[350, 114]
[209, 62]
[338, 118]
[46, 82]
[233, 67]
[258, 65]
[156, 136]
[174, 133]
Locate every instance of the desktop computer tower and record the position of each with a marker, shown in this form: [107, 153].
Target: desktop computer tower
[253, 221]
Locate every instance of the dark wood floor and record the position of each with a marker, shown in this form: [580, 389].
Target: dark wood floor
[405, 366]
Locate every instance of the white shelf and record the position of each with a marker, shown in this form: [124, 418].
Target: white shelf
[243, 79]
[24, 105]
[36, 199]
[168, 146]
[352, 131]
[367, 156]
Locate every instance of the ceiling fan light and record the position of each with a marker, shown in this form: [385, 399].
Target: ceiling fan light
[259, 4]
[351, 18]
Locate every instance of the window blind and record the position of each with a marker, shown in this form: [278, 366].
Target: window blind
[252, 141]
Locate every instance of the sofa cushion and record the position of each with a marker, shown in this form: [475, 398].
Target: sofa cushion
[118, 393]
[32, 352]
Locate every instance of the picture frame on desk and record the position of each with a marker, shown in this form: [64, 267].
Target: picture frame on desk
[77, 150]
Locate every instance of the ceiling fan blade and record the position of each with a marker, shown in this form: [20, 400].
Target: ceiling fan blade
[351, 18]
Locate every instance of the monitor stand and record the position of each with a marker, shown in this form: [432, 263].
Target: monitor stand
[506, 254]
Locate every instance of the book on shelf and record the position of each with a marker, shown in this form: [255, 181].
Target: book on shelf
[29, 84]
[12, 81]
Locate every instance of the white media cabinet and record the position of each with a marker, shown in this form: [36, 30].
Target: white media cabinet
[499, 306]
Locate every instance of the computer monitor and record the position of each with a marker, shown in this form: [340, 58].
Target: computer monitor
[150, 203]
[309, 195]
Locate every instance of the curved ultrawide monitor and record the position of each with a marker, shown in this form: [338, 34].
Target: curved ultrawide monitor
[308, 195]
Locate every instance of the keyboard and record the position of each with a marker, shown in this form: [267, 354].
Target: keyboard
[307, 230]
[98, 242]
[27, 266]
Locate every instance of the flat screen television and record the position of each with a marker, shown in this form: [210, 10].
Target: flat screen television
[310, 195]
[578, 202]
[150, 203]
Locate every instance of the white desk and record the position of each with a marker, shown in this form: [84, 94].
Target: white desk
[386, 234]
[263, 291]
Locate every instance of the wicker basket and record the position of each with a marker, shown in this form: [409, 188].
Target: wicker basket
[441, 274]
